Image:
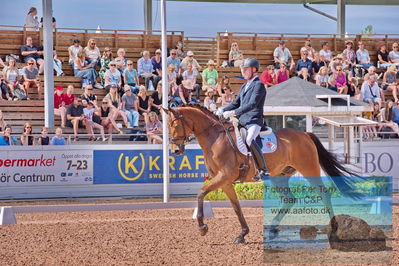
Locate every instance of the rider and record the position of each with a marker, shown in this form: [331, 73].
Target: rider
[248, 107]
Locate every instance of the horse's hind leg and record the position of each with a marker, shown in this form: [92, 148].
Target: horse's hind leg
[231, 194]
[215, 183]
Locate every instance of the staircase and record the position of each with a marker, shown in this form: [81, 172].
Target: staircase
[204, 48]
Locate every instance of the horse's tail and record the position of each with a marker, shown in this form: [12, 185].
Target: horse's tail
[337, 172]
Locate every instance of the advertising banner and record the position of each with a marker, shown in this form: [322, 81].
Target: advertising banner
[145, 166]
[46, 167]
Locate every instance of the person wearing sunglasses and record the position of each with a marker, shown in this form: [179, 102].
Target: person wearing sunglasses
[30, 51]
[106, 59]
[31, 77]
[107, 116]
[130, 104]
[92, 53]
[157, 63]
[112, 77]
[190, 59]
[394, 54]
[27, 139]
[131, 78]
[146, 71]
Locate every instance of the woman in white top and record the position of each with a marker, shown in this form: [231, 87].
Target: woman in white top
[112, 76]
[73, 51]
[92, 53]
[12, 77]
[31, 21]
[191, 74]
[322, 77]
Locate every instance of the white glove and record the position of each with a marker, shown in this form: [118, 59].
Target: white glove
[228, 114]
[219, 112]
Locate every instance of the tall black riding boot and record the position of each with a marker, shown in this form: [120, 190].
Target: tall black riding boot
[259, 161]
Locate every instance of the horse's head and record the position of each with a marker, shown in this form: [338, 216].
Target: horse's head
[178, 131]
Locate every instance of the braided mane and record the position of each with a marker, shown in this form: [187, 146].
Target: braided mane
[201, 108]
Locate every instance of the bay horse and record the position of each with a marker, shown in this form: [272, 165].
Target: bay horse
[297, 152]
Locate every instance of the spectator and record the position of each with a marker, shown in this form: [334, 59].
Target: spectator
[225, 81]
[282, 74]
[106, 114]
[27, 139]
[209, 101]
[3, 123]
[353, 87]
[73, 51]
[130, 105]
[337, 61]
[85, 71]
[29, 51]
[4, 88]
[156, 99]
[173, 59]
[304, 74]
[120, 60]
[57, 64]
[389, 82]
[268, 76]
[363, 58]
[116, 102]
[370, 92]
[395, 113]
[386, 117]
[325, 54]
[308, 48]
[171, 77]
[317, 63]
[191, 74]
[75, 118]
[209, 76]
[183, 94]
[371, 72]
[92, 53]
[88, 95]
[227, 97]
[112, 77]
[31, 77]
[31, 21]
[145, 70]
[144, 101]
[2, 63]
[337, 81]
[58, 139]
[283, 55]
[44, 138]
[190, 59]
[349, 54]
[69, 96]
[105, 60]
[153, 127]
[59, 105]
[157, 63]
[322, 77]
[53, 24]
[304, 62]
[12, 77]
[179, 50]
[131, 78]
[383, 57]
[88, 112]
[394, 54]
[236, 57]
[5, 139]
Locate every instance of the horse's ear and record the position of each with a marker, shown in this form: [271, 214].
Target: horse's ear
[165, 110]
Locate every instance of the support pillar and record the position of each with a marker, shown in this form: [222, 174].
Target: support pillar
[341, 18]
[148, 15]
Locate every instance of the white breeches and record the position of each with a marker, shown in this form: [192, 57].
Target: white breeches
[253, 131]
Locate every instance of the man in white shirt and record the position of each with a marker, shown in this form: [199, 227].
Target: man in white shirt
[370, 92]
[283, 55]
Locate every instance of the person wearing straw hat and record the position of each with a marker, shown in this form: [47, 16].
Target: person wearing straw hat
[248, 107]
[389, 82]
[209, 76]
[209, 101]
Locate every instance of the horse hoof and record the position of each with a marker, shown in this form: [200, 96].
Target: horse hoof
[239, 240]
[203, 230]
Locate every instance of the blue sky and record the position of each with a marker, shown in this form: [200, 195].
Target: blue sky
[205, 19]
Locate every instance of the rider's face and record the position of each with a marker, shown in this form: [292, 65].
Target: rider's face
[248, 72]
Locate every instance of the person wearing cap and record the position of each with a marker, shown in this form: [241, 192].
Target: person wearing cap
[209, 76]
[304, 62]
[248, 107]
[190, 59]
[308, 47]
[283, 55]
[209, 101]
[59, 105]
[73, 51]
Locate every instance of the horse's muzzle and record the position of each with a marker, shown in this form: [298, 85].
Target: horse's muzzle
[177, 149]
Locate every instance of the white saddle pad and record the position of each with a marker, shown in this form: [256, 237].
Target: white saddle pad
[269, 141]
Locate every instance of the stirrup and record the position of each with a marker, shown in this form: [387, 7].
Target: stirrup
[262, 175]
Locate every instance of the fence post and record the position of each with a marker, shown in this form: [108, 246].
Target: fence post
[335, 43]
[85, 36]
[254, 40]
[218, 48]
[116, 39]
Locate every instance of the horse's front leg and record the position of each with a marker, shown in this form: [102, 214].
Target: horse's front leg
[231, 194]
[214, 184]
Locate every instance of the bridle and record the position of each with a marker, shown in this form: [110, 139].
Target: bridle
[185, 139]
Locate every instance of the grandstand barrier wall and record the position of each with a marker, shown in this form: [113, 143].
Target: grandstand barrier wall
[129, 170]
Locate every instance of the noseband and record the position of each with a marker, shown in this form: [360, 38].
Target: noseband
[185, 139]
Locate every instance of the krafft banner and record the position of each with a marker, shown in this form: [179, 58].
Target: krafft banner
[145, 166]
[46, 167]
